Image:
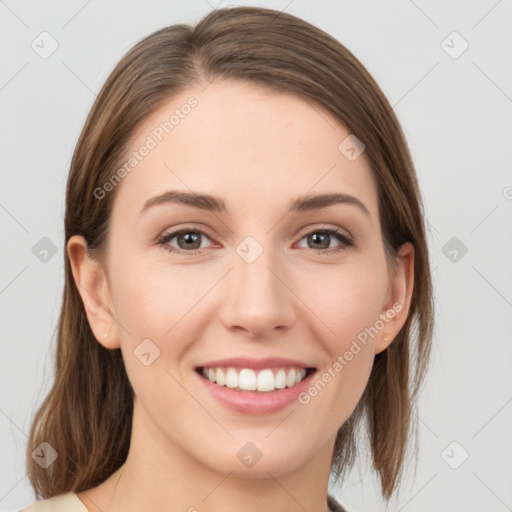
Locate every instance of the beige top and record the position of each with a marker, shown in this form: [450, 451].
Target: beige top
[70, 502]
[67, 502]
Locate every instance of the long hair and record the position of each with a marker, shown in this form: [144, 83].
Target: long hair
[87, 415]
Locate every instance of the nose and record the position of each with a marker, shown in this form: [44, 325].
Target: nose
[258, 298]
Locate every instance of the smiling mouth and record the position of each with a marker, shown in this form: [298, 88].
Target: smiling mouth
[247, 379]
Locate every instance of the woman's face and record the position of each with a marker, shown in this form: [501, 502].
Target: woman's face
[256, 273]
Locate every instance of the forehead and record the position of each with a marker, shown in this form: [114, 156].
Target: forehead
[244, 142]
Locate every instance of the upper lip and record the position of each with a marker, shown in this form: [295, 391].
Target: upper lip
[255, 364]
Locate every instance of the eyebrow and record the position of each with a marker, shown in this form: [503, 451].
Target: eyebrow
[215, 204]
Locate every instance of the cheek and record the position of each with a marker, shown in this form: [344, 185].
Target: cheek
[155, 298]
[156, 303]
[347, 300]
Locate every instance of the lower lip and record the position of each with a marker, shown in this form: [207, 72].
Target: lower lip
[256, 402]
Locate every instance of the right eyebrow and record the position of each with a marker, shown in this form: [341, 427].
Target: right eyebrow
[194, 199]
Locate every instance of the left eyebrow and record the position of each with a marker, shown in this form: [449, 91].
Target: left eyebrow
[316, 201]
[215, 204]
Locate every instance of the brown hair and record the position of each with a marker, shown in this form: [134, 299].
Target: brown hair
[86, 417]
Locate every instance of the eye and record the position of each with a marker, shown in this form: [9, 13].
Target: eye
[188, 240]
[321, 239]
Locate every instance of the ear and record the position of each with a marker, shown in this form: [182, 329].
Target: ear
[398, 300]
[92, 284]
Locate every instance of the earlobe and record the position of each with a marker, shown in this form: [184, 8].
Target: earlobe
[383, 343]
[92, 285]
[396, 309]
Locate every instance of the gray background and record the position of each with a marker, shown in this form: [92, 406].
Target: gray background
[456, 113]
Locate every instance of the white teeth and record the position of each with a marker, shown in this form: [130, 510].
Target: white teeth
[219, 377]
[290, 378]
[266, 380]
[247, 379]
[280, 379]
[231, 378]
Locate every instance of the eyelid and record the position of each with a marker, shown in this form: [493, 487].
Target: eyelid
[164, 238]
[326, 227]
[332, 230]
[344, 237]
[304, 231]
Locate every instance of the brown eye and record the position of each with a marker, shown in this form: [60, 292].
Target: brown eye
[320, 241]
[187, 240]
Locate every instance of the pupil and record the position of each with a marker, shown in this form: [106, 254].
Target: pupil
[190, 237]
[316, 238]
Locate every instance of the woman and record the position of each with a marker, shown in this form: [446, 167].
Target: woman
[247, 278]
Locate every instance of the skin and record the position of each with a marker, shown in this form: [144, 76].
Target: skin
[256, 149]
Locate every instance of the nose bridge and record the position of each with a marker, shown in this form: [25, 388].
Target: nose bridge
[258, 300]
[256, 272]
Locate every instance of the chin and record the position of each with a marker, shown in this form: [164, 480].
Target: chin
[250, 462]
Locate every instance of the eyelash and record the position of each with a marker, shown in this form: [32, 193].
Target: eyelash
[346, 241]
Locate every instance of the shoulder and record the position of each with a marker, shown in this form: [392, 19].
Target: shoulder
[66, 502]
[334, 506]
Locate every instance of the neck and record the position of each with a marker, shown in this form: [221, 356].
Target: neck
[153, 478]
